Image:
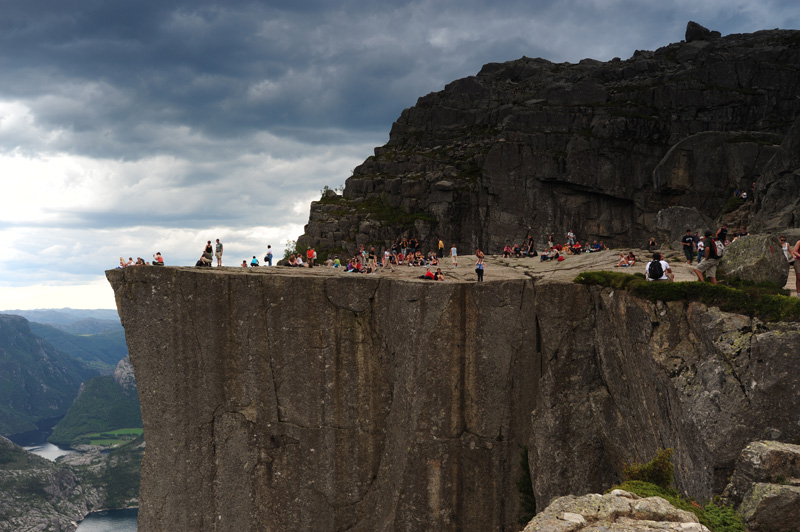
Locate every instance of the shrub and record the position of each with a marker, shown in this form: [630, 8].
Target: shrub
[657, 471]
[654, 478]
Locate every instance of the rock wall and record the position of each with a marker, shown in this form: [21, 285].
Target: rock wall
[531, 146]
[313, 401]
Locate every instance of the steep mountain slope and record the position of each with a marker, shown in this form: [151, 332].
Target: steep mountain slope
[105, 403]
[36, 381]
[101, 351]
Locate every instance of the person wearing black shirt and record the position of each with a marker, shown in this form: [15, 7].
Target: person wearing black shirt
[722, 234]
[688, 246]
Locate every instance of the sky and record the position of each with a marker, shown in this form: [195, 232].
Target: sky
[128, 128]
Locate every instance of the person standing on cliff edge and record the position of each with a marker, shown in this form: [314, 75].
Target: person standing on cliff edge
[454, 256]
[218, 253]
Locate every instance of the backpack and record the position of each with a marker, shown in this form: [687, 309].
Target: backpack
[719, 248]
[654, 270]
[716, 250]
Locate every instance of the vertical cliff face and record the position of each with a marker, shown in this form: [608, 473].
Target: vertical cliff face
[324, 402]
[315, 403]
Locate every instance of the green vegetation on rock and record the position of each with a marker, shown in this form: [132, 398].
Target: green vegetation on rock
[654, 479]
[102, 406]
[763, 300]
[658, 471]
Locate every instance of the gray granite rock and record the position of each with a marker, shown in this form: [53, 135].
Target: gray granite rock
[530, 146]
[756, 258]
[618, 511]
[345, 401]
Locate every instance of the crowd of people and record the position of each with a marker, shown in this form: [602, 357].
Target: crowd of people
[158, 260]
[705, 252]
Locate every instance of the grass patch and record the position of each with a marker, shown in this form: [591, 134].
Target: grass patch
[110, 438]
[763, 300]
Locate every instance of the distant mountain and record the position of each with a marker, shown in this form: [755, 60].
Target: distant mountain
[104, 404]
[90, 326]
[100, 351]
[36, 380]
[64, 316]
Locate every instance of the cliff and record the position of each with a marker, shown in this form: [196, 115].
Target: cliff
[313, 400]
[531, 146]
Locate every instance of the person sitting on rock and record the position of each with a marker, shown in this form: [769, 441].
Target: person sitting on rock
[631, 258]
[507, 251]
[623, 261]
[658, 269]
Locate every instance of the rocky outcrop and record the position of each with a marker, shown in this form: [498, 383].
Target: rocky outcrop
[618, 511]
[124, 374]
[756, 258]
[766, 486]
[672, 223]
[278, 399]
[530, 146]
[39, 495]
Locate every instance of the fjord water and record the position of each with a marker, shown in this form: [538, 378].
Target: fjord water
[111, 521]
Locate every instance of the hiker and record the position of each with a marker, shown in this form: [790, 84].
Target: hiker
[688, 246]
[711, 259]
[658, 269]
[218, 253]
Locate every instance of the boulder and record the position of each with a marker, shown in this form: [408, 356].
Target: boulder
[619, 511]
[756, 258]
[762, 462]
[672, 223]
[771, 508]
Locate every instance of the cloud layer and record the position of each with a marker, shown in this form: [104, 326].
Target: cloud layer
[133, 127]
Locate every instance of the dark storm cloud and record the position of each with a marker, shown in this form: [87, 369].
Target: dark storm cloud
[108, 70]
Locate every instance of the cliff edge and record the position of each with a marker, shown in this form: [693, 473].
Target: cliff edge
[313, 400]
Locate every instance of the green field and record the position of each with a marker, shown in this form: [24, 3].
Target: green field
[110, 438]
